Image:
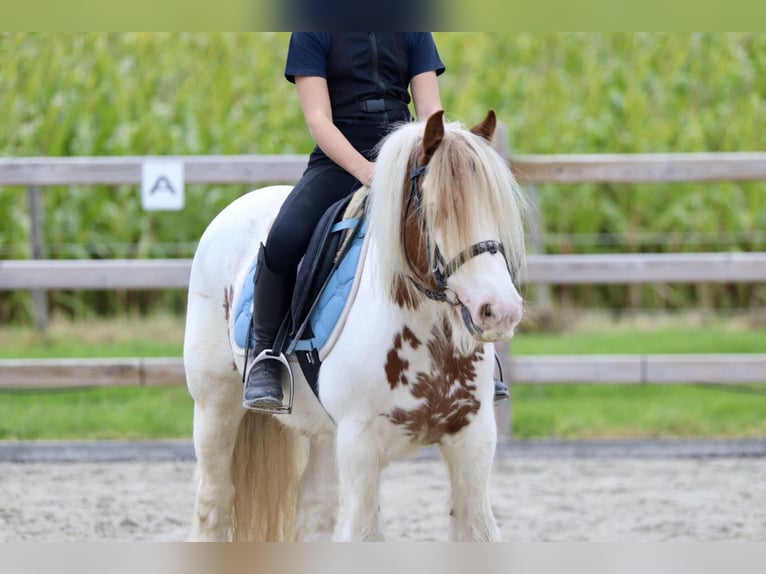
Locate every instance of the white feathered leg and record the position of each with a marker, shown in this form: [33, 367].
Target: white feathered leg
[359, 468]
[469, 457]
[318, 498]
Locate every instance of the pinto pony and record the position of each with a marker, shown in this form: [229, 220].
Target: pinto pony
[412, 366]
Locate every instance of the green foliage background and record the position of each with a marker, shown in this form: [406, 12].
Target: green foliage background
[91, 94]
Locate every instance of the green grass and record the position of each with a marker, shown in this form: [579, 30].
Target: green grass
[158, 336]
[692, 335]
[647, 411]
[539, 411]
[108, 413]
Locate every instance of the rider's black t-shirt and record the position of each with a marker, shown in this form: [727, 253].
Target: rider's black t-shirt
[363, 66]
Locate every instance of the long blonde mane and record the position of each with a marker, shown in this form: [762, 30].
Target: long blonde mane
[466, 177]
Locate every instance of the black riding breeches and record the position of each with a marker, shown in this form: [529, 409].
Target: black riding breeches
[318, 189]
[322, 184]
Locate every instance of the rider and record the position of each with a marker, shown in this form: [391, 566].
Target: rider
[353, 89]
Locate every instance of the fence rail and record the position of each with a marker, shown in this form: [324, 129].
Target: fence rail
[541, 269]
[126, 170]
[257, 169]
[80, 373]
[640, 168]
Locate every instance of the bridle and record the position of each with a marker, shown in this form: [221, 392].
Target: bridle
[440, 269]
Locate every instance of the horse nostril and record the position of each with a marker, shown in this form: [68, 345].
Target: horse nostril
[486, 311]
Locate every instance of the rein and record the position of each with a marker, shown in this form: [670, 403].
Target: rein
[441, 271]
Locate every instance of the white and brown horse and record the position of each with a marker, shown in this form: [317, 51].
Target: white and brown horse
[413, 365]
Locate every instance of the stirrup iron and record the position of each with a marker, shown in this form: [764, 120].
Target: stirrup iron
[283, 409]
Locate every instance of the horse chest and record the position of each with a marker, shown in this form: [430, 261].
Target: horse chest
[434, 383]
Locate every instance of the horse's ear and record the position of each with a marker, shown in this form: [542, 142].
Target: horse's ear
[486, 129]
[432, 137]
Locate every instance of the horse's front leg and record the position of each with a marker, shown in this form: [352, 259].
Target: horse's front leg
[318, 498]
[359, 469]
[469, 457]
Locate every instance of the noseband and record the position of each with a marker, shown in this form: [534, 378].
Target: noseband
[440, 270]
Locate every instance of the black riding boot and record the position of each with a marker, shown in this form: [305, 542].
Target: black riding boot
[263, 381]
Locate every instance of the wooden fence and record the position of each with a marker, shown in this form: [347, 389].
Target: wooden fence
[41, 275]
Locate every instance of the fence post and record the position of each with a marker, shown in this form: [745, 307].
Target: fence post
[542, 291]
[37, 217]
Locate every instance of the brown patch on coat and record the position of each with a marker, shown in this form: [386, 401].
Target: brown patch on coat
[228, 296]
[447, 390]
[404, 296]
[396, 366]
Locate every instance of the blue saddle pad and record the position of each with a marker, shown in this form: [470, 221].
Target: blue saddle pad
[332, 299]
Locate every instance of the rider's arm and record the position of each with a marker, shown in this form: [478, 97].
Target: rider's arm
[315, 103]
[425, 94]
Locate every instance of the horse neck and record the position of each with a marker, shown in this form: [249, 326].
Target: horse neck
[405, 308]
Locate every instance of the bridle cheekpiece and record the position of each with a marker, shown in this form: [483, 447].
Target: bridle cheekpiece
[441, 271]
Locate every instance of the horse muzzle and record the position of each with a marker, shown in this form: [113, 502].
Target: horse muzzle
[490, 322]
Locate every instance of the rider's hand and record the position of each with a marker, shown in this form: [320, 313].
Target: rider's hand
[367, 173]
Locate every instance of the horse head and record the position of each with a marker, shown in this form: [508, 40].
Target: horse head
[459, 225]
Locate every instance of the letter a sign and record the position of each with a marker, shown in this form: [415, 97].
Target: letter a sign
[162, 185]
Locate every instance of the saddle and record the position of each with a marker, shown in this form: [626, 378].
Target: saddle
[324, 281]
[320, 260]
[333, 238]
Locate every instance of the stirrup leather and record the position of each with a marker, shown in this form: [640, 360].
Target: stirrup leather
[283, 409]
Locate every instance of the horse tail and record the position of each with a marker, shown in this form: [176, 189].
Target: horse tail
[266, 468]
